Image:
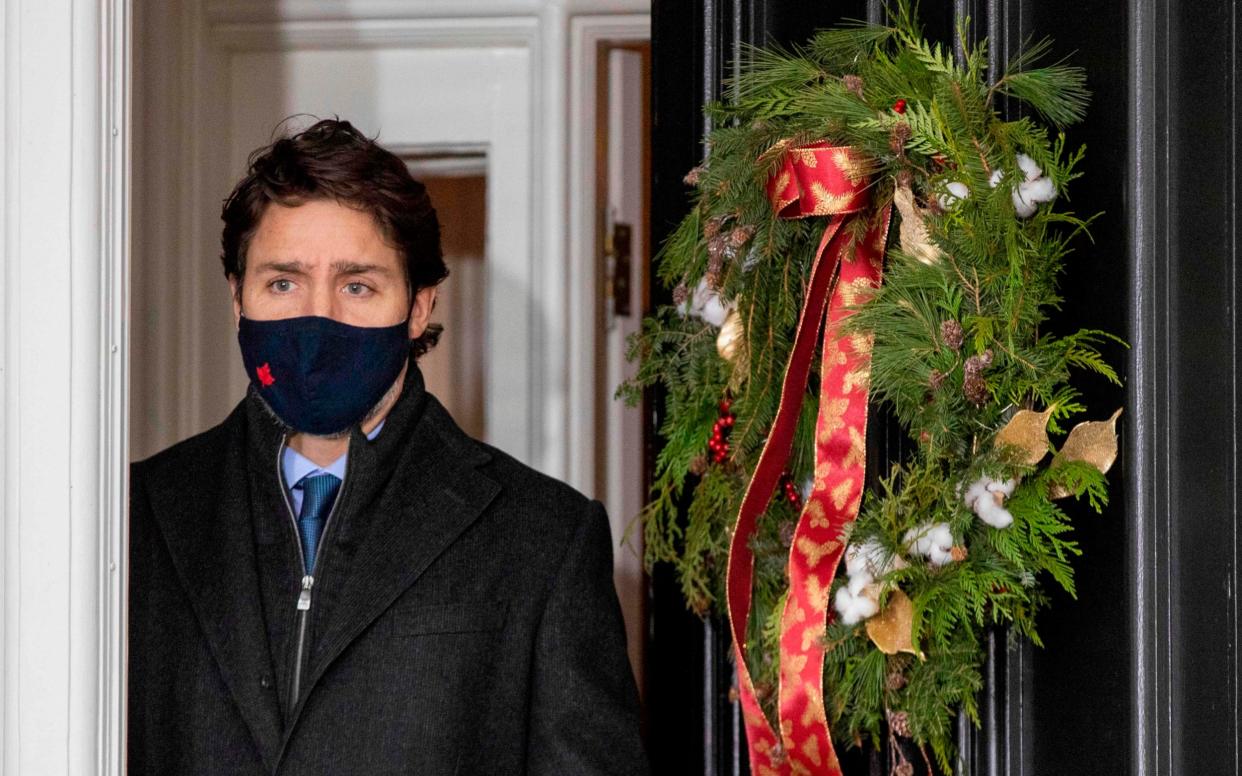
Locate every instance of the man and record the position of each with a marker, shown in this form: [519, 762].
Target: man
[337, 579]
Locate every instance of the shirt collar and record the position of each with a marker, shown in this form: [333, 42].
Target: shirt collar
[295, 466]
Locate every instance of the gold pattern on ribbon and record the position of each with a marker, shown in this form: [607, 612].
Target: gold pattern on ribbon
[818, 518]
[808, 156]
[778, 190]
[841, 493]
[823, 470]
[855, 291]
[834, 418]
[854, 170]
[815, 551]
[857, 456]
[827, 203]
[857, 379]
[817, 593]
[862, 343]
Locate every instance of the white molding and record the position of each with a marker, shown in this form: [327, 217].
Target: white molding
[456, 32]
[586, 33]
[115, 235]
[65, 236]
[227, 11]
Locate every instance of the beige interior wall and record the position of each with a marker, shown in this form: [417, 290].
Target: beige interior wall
[455, 369]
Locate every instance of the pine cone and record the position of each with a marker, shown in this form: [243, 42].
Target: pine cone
[951, 333]
[958, 553]
[898, 137]
[680, 294]
[904, 769]
[716, 248]
[740, 235]
[787, 529]
[853, 83]
[698, 464]
[692, 177]
[936, 379]
[975, 388]
[895, 681]
[711, 228]
[976, 364]
[899, 723]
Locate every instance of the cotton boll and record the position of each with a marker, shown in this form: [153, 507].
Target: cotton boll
[933, 540]
[1038, 190]
[705, 303]
[1022, 207]
[986, 498]
[714, 311]
[956, 190]
[996, 177]
[1028, 166]
[854, 608]
[858, 582]
[993, 514]
[1005, 487]
[871, 558]
[856, 559]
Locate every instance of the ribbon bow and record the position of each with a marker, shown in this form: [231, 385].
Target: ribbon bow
[813, 180]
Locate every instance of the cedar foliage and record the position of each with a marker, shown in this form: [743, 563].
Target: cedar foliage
[997, 279]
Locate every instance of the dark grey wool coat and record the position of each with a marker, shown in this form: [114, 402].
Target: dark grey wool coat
[464, 619]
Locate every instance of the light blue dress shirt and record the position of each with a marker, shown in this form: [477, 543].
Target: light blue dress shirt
[295, 466]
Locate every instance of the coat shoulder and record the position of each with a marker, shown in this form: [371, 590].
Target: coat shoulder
[531, 486]
[199, 454]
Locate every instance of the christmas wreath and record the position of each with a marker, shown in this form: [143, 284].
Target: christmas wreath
[801, 299]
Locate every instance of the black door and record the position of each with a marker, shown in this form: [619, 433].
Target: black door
[1139, 675]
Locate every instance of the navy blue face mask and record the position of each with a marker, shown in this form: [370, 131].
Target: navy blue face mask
[318, 375]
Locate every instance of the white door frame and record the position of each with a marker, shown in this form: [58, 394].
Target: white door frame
[64, 293]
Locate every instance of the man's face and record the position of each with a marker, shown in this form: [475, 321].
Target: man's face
[327, 259]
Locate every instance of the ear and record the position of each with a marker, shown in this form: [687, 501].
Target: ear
[235, 293]
[420, 311]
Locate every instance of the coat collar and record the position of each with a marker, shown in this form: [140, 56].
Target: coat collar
[420, 483]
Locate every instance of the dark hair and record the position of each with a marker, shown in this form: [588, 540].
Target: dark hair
[333, 160]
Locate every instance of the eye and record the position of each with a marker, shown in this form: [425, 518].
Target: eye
[357, 289]
[281, 285]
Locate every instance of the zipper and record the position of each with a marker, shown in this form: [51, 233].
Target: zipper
[308, 580]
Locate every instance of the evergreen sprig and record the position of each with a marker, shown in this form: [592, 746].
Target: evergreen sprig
[991, 295]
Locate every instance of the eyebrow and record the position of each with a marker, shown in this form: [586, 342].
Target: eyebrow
[341, 267]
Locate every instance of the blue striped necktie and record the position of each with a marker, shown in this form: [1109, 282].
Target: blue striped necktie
[318, 493]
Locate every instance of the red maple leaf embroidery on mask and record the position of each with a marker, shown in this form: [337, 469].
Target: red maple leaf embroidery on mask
[265, 375]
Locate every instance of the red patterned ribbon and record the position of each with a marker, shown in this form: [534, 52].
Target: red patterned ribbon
[814, 180]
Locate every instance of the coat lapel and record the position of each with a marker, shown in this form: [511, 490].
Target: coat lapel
[434, 493]
[207, 527]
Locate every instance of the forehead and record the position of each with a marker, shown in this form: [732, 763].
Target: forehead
[317, 233]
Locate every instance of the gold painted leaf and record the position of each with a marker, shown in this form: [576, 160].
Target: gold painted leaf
[1093, 442]
[1027, 431]
[891, 629]
[730, 336]
[915, 240]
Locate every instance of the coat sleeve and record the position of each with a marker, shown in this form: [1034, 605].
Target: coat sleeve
[584, 717]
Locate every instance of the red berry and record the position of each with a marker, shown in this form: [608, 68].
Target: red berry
[900, 106]
[725, 404]
[728, 420]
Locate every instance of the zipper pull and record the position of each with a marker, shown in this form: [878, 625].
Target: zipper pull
[304, 598]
